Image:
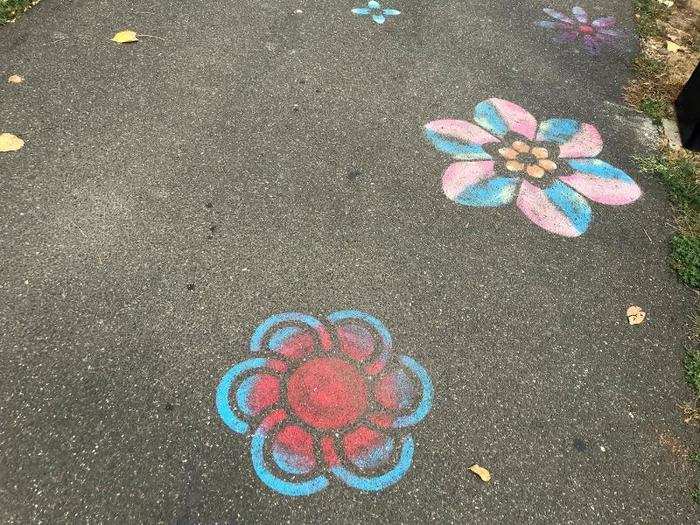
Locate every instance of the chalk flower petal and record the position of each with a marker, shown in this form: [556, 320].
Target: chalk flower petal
[459, 176]
[559, 16]
[602, 182]
[499, 116]
[557, 209]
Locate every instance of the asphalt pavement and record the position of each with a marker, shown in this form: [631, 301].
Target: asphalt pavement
[250, 159]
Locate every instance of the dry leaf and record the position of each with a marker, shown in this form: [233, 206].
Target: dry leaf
[15, 79]
[672, 46]
[125, 37]
[10, 142]
[635, 315]
[483, 473]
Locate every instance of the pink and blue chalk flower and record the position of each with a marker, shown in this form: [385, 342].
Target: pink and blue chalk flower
[549, 170]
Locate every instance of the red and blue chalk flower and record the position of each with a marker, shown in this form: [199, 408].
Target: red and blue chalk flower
[325, 399]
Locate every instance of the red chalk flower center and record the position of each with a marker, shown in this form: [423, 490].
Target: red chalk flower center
[327, 393]
[586, 29]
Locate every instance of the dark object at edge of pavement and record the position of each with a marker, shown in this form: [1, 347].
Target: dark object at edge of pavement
[688, 112]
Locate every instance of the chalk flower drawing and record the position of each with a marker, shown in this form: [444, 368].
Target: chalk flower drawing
[325, 398]
[593, 34]
[547, 169]
[375, 10]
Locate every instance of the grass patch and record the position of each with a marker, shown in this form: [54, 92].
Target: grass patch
[685, 258]
[680, 175]
[691, 363]
[648, 67]
[10, 9]
[654, 109]
[647, 13]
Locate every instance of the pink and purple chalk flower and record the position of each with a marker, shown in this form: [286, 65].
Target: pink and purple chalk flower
[325, 398]
[549, 169]
[592, 34]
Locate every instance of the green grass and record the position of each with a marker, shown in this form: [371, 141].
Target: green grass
[649, 67]
[649, 11]
[691, 363]
[685, 258]
[680, 176]
[654, 109]
[9, 9]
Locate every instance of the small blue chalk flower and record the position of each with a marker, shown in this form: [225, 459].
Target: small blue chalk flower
[379, 15]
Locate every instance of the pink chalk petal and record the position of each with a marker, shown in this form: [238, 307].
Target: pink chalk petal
[515, 117]
[613, 192]
[537, 207]
[461, 130]
[586, 142]
[602, 182]
[460, 175]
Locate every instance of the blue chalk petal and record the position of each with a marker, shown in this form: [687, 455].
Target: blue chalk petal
[488, 117]
[256, 339]
[490, 193]
[571, 203]
[426, 399]
[287, 488]
[377, 483]
[558, 130]
[600, 169]
[362, 10]
[458, 150]
[378, 18]
[391, 12]
[374, 5]
[223, 406]
[342, 315]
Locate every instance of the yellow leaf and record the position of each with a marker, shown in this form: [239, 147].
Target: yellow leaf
[10, 142]
[635, 315]
[672, 46]
[483, 473]
[125, 37]
[15, 79]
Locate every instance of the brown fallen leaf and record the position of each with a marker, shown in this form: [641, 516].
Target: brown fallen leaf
[125, 37]
[15, 79]
[10, 142]
[635, 315]
[483, 473]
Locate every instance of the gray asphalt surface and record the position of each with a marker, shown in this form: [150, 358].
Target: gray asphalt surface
[174, 193]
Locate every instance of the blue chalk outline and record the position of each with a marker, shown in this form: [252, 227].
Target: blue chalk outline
[384, 335]
[286, 488]
[376, 483]
[426, 400]
[223, 390]
[343, 315]
[262, 329]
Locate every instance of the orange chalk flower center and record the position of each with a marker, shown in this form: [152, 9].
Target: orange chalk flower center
[532, 160]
